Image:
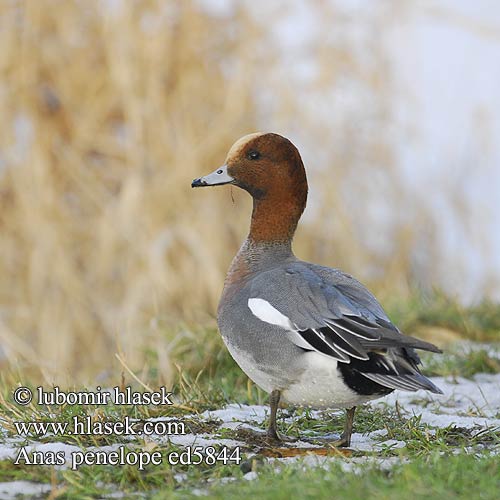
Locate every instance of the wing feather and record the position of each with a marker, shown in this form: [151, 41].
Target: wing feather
[333, 314]
[319, 343]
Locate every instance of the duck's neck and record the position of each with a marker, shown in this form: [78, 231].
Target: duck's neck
[273, 223]
[270, 239]
[257, 256]
[252, 258]
[275, 216]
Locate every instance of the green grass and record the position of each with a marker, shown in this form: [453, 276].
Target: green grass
[479, 322]
[463, 361]
[434, 476]
[436, 463]
[440, 460]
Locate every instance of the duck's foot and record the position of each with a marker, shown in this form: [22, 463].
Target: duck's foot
[262, 439]
[345, 438]
[274, 437]
[343, 442]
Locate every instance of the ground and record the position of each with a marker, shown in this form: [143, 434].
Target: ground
[418, 444]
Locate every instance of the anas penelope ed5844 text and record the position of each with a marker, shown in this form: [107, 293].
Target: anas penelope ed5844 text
[306, 334]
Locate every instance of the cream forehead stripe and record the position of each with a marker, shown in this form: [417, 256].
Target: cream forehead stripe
[240, 144]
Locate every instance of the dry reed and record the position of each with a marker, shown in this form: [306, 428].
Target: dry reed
[108, 111]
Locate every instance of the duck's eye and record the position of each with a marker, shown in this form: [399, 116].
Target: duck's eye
[253, 155]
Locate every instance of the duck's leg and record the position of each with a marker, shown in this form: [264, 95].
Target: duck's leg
[345, 438]
[272, 431]
[274, 400]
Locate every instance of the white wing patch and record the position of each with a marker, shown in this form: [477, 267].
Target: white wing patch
[263, 310]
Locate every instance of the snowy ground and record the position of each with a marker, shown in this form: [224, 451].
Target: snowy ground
[466, 404]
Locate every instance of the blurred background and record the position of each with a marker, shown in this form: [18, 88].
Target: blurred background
[110, 108]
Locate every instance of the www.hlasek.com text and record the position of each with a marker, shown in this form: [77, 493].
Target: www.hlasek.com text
[88, 426]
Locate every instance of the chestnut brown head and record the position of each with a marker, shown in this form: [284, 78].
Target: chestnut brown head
[270, 168]
[262, 164]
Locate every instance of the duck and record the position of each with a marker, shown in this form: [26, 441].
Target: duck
[307, 334]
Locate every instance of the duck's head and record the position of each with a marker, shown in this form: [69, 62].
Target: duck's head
[270, 168]
[260, 164]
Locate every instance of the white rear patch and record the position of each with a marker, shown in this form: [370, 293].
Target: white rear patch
[320, 385]
[263, 310]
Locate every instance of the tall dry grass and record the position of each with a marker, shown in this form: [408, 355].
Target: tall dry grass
[108, 110]
[107, 114]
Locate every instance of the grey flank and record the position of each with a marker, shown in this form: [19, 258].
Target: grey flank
[331, 312]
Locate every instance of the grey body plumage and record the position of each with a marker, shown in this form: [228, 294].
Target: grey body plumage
[330, 312]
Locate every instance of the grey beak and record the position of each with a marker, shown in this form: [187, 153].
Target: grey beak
[216, 178]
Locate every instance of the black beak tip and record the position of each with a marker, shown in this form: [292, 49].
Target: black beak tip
[198, 183]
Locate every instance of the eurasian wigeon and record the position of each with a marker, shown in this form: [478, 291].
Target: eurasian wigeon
[307, 334]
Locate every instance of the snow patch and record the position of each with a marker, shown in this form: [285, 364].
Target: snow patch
[14, 489]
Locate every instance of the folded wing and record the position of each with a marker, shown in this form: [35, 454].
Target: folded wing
[327, 311]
